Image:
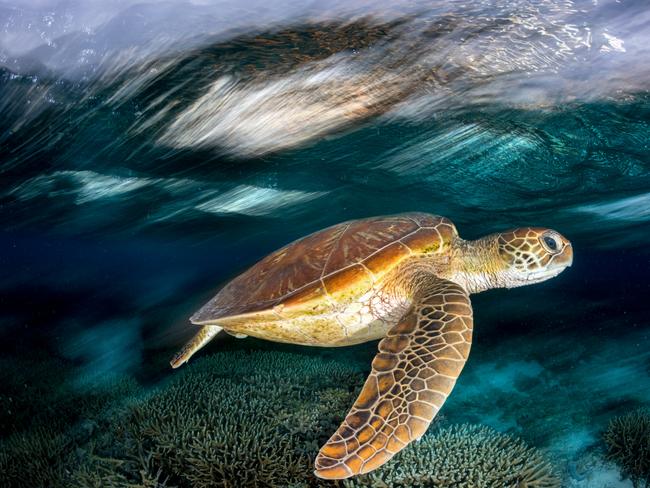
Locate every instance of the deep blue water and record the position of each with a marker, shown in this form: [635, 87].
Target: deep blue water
[140, 171]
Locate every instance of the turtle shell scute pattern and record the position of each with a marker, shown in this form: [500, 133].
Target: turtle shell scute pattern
[360, 250]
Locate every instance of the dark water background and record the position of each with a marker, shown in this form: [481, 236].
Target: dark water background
[140, 171]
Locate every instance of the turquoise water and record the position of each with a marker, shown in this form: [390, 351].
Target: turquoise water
[149, 154]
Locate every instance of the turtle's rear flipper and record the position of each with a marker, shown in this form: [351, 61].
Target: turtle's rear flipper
[203, 336]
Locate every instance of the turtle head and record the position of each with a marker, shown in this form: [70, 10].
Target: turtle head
[531, 255]
[509, 259]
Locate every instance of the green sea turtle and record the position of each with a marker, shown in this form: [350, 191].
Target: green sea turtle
[404, 279]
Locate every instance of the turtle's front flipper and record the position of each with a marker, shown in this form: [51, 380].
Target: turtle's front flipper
[202, 337]
[417, 366]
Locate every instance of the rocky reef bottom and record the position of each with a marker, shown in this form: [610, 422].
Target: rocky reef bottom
[257, 418]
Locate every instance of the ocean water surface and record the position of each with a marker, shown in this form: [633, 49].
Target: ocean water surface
[150, 152]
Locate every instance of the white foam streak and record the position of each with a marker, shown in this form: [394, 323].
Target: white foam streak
[257, 118]
[86, 186]
[635, 209]
[613, 44]
[455, 144]
[256, 201]
[185, 195]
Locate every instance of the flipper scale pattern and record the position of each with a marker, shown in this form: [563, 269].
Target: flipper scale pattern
[412, 374]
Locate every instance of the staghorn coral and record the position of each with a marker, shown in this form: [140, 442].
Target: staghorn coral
[246, 419]
[628, 445]
[34, 393]
[463, 456]
[219, 424]
[102, 472]
[48, 418]
[233, 419]
[36, 458]
[227, 422]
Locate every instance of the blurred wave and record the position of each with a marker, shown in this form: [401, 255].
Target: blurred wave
[635, 208]
[88, 186]
[136, 117]
[248, 93]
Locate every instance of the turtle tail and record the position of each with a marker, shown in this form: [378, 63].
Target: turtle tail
[202, 337]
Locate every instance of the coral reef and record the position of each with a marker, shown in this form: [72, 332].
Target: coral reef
[224, 422]
[628, 445]
[243, 419]
[45, 418]
[36, 458]
[464, 456]
[100, 472]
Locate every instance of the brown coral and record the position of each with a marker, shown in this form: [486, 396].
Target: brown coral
[628, 444]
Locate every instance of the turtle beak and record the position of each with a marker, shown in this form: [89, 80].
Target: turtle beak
[565, 258]
[559, 262]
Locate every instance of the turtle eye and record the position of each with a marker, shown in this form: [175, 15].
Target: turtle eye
[551, 242]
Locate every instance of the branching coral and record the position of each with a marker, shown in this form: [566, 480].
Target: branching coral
[233, 419]
[628, 444]
[100, 472]
[35, 458]
[43, 452]
[245, 419]
[464, 456]
[222, 422]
